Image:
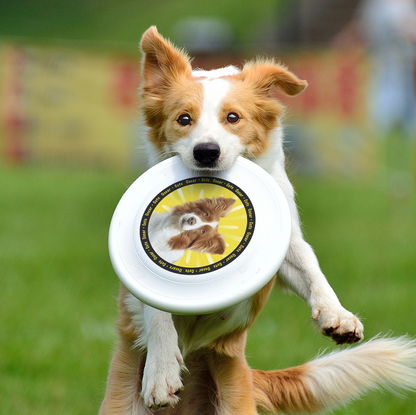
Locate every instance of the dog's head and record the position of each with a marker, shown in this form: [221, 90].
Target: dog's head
[194, 214]
[198, 221]
[210, 118]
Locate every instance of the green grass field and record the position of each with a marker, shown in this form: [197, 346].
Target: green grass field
[57, 287]
[58, 290]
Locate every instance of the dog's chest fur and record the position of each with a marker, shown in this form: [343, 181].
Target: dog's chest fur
[194, 331]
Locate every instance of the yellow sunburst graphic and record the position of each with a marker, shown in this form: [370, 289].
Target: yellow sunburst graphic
[232, 227]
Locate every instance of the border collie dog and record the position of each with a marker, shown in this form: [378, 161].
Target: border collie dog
[195, 364]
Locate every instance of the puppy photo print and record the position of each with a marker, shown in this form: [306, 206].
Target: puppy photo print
[197, 225]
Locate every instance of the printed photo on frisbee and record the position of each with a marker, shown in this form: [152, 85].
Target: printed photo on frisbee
[197, 225]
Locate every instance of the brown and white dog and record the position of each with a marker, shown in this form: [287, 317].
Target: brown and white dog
[196, 364]
[193, 225]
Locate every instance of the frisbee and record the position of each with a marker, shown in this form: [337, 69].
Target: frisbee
[252, 234]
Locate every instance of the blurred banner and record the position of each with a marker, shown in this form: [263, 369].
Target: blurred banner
[328, 128]
[60, 105]
[68, 106]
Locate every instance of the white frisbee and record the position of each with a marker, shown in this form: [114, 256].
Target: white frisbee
[253, 234]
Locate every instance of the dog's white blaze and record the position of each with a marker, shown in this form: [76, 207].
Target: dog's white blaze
[209, 128]
[215, 89]
[186, 226]
[198, 222]
[216, 73]
[212, 224]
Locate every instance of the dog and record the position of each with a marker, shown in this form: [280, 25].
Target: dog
[193, 225]
[183, 364]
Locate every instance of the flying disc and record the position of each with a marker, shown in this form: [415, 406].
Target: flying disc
[256, 232]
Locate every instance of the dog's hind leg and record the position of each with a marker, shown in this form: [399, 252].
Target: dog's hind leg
[233, 384]
[124, 380]
[124, 383]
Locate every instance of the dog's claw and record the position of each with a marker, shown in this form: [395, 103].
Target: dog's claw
[341, 325]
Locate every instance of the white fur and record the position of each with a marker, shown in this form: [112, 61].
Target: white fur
[162, 227]
[381, 362]
[198, 222]
[161, 376]
[216, 73]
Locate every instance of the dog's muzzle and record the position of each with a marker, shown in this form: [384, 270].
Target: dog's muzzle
[206, 154]
[191, 221]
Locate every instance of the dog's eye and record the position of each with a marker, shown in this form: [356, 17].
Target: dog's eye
[184, 119]
[233, 118]
[202, 230]
[205, 214]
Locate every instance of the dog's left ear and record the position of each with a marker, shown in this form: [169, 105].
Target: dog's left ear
[266, 74]
[216, 245]
[181, 241]
[211, 244]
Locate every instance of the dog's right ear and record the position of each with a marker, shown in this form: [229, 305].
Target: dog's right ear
[162, 62]
[225, 205]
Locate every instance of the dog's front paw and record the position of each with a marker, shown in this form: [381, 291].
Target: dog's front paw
[162, 381]
[339, 324]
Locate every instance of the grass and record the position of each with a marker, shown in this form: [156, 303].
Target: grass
[56, 332]
[58, 290]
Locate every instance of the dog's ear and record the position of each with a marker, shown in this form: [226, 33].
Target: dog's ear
[214, 244]
[265, 74]
[180, 241]
[217, 245]
[161, 61]
[224, 205]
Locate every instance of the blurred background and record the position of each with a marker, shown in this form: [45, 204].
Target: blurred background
[69, 148]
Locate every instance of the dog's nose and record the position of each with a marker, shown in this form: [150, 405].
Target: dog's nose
[191, 221]
[207, 154]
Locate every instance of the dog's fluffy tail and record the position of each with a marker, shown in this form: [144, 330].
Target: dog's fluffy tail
[337, 377]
